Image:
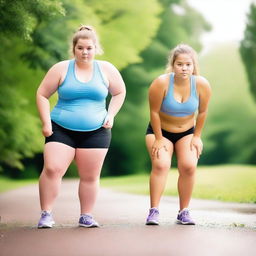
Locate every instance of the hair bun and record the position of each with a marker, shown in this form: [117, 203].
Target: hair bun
[85, 27]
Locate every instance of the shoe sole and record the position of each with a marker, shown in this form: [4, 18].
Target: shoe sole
[152, 223]
[89, 226]
[46, 225]
[184, 223]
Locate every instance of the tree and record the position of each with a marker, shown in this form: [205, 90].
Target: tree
[248, 49]
[115, 21]
[20, 17]
[18, 126]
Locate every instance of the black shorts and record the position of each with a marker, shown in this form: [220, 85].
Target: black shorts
[172, 136]
[99, 138]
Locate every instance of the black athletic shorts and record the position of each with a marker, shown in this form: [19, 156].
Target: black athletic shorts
[172, 136]
[99, 138]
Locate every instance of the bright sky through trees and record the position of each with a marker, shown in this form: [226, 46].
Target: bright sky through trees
[227, 17]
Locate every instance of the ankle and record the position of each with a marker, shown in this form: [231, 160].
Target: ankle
[46, 211]
[183, 209]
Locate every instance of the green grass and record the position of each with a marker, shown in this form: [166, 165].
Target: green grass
[9, 184]
[234, 183]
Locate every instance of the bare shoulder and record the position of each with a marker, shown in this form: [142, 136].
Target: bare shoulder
[202, 82]
[112, 76]
[107, 66]
[203, 86]
[161, 81]
[59, 67]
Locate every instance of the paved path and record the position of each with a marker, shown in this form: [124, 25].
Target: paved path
[223, 229]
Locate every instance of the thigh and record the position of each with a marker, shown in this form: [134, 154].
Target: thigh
[186, 157]
[90, 160]
[58, 155]
[164, 156]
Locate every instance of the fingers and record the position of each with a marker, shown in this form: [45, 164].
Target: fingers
[47, 134]
[198, 153]
[191, 146]
[153, 152]
[108, 122]
[156, 151]
[198, 150]
[107, 125]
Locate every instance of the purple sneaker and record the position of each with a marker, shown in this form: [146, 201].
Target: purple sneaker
[152, 218]
[46, 220]
[184, 218]
[87, 221]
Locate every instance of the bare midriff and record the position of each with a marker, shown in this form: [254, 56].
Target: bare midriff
[176, 124]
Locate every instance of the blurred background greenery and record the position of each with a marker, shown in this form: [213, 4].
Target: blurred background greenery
[136, 37]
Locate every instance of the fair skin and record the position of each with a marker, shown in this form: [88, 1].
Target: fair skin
[189, 148]
[58, 156]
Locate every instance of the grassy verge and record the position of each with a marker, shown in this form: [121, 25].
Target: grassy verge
[233, 183]
[9, 184]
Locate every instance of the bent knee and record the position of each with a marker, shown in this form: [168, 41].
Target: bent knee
[90, 179]
[53, 171]
[160, 168]
[187, 169]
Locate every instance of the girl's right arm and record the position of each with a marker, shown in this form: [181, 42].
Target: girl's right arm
[156, 95]
[48, 86]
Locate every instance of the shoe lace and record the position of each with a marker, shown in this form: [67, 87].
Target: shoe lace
[86, 217]
[186, 213]
[44, 214]
[153, 212]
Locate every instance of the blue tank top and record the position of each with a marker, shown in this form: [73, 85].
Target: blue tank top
[81, 106]
[174, 108]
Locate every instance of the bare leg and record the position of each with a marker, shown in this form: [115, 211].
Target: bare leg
[89, 163]
[187, 162]
[57, 158]
[159, 172]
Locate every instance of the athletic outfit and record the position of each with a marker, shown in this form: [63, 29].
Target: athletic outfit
[171, 136]
[174, 108]
[77, 121]
[80, 112]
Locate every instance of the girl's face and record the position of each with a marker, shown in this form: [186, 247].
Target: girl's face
[84, 50]
[183, 66]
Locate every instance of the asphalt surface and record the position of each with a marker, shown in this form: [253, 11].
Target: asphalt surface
[222, 229]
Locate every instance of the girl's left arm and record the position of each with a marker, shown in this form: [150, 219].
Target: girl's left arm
[204, 91]
[116, 89]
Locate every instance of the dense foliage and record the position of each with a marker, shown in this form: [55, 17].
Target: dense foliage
[36, 34]
[248, 48]
[19, 127]
[136, 37]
